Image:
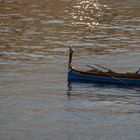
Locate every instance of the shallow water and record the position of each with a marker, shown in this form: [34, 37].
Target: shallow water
[35, 101]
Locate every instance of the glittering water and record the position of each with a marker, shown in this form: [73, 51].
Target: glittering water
[35, 101]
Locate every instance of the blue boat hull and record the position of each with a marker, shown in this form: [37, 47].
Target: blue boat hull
[75, 76]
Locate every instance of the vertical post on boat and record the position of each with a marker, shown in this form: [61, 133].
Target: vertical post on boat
[70, 57]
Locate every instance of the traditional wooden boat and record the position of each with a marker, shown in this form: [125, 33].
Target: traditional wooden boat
[94, 75]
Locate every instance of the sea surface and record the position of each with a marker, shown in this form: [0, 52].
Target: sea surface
[35, 100]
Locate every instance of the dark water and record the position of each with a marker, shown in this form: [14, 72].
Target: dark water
[35, 102]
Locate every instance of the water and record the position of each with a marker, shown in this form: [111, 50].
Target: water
[35, 102]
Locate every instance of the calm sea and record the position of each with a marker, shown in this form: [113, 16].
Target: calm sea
[35, 101]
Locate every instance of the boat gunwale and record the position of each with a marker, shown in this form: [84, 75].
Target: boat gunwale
[129, 76]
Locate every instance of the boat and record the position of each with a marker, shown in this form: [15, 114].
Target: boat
[95, 75]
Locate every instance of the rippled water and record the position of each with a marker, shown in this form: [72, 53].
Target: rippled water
[35, 102]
